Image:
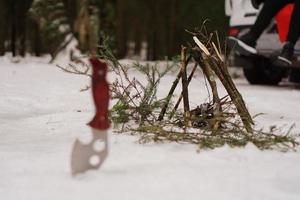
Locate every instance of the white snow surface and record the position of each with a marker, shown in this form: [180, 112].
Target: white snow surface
[42, 111]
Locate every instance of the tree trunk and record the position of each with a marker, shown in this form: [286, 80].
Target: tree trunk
[21, 26]
[18, 13]
[138, 37]
[71, 12]
[121, 28]
[37, 39]
[153, 32]
[172, 30]
[13, 28]
[3, 27]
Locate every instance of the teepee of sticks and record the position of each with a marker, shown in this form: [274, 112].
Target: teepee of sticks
[208, 57]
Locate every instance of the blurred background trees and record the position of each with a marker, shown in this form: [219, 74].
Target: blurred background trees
[154, 28]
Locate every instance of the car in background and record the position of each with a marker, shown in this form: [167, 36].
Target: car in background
[259, 69]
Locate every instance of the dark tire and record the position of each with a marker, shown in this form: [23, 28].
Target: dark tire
[259, 70]
[295, 76]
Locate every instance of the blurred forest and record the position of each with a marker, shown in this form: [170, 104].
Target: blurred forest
[47, 26]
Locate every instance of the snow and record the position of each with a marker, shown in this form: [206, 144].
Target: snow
[42, 111]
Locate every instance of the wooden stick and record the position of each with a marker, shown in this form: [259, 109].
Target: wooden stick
[222, 72]
[181, 95]
[185, 92]
[168, 98]
[220, 69]
[208, 72]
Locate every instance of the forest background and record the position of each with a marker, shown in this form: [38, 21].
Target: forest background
[43, 27]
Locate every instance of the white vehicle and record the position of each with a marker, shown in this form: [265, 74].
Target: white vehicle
[259, 69]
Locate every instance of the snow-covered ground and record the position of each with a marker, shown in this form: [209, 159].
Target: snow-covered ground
[42, 111]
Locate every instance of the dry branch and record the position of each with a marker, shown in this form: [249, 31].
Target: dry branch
[181, 95]
[220, 69]
[209, 74]
[170, 94]
[184, 80]
[83, 69]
